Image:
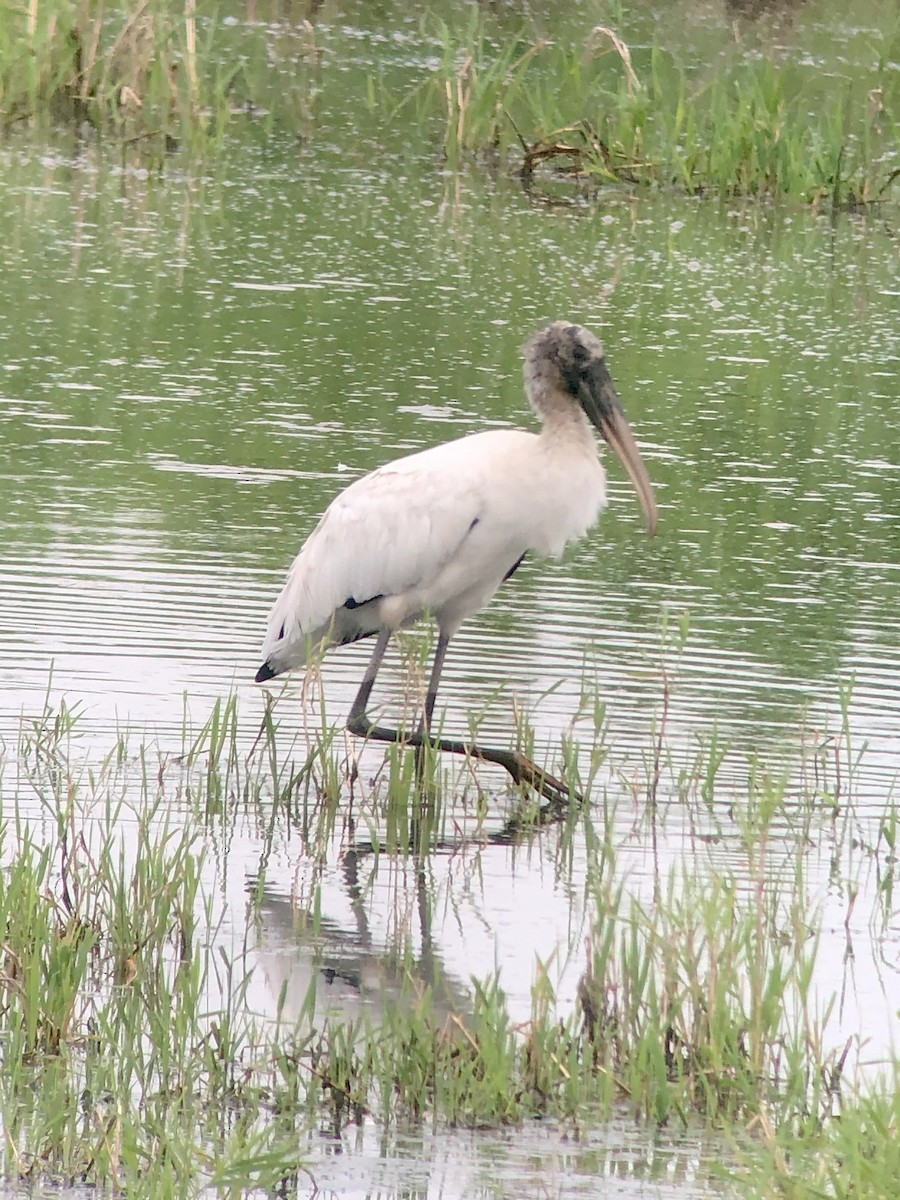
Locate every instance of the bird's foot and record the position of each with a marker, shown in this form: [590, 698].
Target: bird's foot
[523, 771]
[520, 768]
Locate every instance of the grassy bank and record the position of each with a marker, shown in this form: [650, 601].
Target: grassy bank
[148, 73]
[587, 108]
[599, 112]
[132, 1059]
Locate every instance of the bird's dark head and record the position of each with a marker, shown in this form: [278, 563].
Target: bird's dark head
[565, 365]
[570, 358]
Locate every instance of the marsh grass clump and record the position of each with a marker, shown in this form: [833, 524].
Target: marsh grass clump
[132, 66]
[696, 1008]
[149, 72]
[703, 1005]
[745, 126]
[126, 1040]
[853, 1156]
[132, 1058]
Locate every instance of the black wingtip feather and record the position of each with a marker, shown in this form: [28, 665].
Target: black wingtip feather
[265, 673]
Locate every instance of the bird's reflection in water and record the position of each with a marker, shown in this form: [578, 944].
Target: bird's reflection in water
[319, 966]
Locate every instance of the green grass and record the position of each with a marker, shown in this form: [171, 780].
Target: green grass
[855, 1156]
[746, 126]
[131, 1060]
[148, 73]
[117, 1068]
[586, 108]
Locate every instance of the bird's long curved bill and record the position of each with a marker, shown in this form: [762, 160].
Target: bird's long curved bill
[606, 413]
[617, 431]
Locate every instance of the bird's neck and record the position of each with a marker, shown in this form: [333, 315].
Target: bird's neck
[567, 428]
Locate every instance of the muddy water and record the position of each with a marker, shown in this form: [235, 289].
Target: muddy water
[191, 366]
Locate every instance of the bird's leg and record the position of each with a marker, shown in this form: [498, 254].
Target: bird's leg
[518, 765]
[424, 729]
[357, 721]
[434, 679]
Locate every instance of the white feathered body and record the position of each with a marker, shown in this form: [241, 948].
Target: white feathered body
[437, 531]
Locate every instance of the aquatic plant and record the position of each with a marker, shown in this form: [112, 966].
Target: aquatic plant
[145, 71]
[119, 1067]
[587, 109]
[132, 1059]
[747, 127]
[857, 1154]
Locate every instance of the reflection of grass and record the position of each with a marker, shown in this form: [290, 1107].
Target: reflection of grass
[131, 1059]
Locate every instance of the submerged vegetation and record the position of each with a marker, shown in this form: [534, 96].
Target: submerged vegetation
[132, 1059]
[586, 107]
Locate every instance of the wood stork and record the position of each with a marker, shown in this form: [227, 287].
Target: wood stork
[439, 531]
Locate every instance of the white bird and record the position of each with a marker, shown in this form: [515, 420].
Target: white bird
[439, 531]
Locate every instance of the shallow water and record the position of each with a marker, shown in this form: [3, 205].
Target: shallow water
[192, 365]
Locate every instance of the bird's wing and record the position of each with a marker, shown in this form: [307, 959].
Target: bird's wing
[389, 531]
